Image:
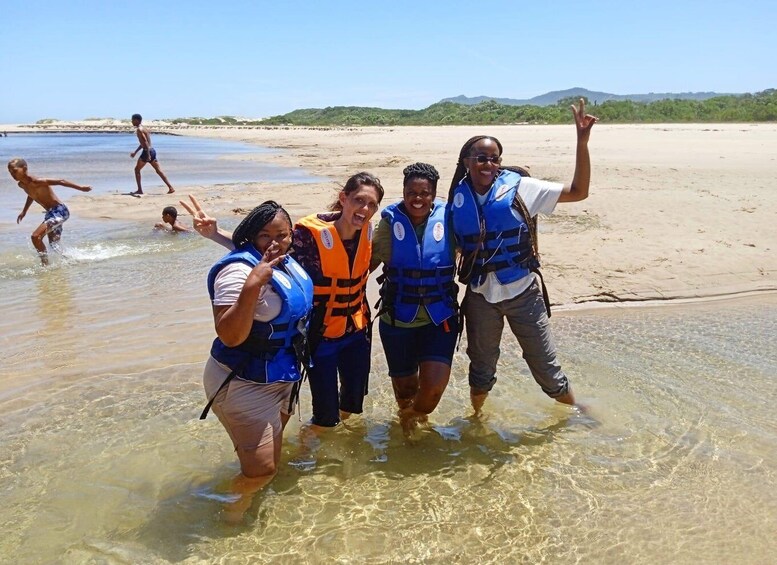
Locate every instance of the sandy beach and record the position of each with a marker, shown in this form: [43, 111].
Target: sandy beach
[679, 211]
[103, 353]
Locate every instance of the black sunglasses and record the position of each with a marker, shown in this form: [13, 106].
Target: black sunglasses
[485, 159]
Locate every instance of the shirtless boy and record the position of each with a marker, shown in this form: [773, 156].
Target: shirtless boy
[39, 190]
[170, 218]
[147, 155]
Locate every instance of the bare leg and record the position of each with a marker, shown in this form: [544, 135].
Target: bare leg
[139, 165]
[54, 241]
[432, 383]
[258, 467]
[37, 242]
[158, 170]
[246, 488]
[405, 389]
[567, 398]
[478, 398]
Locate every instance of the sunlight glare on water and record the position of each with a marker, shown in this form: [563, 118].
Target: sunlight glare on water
[103, 458]
[104, 452]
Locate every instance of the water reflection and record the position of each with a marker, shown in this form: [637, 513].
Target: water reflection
[117, 468]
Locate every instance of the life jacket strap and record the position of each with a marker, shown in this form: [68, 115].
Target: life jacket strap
[418, 273]
[231, 376]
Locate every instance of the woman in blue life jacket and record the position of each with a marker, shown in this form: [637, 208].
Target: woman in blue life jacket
[334, 248]
[261, 300]
[419, 313]
[488, 206]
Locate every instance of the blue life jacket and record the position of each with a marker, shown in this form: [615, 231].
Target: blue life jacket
[490, 236]
[267, 355]
[419, 273]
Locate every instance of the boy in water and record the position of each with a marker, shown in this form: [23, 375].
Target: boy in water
[170, 216]
[147, 155]
[39, 190]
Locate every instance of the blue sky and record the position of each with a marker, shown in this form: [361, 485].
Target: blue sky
[165, 59]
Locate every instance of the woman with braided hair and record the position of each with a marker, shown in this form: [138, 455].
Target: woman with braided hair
[261, 300]
[334, 248]
[419, 314]
[487, 207]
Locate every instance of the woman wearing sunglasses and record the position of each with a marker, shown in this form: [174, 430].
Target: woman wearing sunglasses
[492, 211]
[419, 314]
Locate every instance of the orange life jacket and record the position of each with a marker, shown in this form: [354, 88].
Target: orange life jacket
[340, 288]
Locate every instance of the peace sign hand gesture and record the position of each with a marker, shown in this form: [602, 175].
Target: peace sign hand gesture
[205, 225]
[262, 273]
[583, 122]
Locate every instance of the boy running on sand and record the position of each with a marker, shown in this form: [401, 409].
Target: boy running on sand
[147, 155]
[39, 190]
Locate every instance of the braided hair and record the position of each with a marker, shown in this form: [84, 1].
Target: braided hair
[255, 221]
[423, 171]
[461, 169]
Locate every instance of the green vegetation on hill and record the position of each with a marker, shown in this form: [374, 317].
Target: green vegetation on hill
[217, 121]
[759, 107]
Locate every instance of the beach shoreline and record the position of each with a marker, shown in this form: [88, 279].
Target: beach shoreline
[676, 212]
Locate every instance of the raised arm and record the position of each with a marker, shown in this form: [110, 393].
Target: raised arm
[67, 183]
[578, 189]
[233, 323]
[206, 225]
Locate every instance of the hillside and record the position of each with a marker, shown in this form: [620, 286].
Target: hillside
[594, 97]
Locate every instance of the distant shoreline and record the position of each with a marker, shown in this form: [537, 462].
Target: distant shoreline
[662, 224]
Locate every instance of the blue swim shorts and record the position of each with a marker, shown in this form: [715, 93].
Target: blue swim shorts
[54, 219]
[406, 348]
[144, 156]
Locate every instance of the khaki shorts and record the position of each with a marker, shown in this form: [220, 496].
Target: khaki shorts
[250, 412]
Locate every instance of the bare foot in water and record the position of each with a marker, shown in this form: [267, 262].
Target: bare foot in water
[409, 419]
[477, 399]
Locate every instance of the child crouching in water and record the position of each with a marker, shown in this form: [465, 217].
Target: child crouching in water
[40, 191]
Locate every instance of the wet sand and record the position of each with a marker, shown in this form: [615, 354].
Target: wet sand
[675, 211]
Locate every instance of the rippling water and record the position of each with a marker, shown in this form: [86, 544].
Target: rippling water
[104, 459]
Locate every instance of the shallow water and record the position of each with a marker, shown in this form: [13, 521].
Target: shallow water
[104, 459]
[103, 161]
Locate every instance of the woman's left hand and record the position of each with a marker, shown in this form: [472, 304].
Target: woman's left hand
[583, 122]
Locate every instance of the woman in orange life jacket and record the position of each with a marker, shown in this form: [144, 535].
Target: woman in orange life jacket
[335, 249]
[252, 377]
[500, 266]
[419, 313]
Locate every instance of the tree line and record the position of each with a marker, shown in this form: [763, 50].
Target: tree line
[758, 107]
